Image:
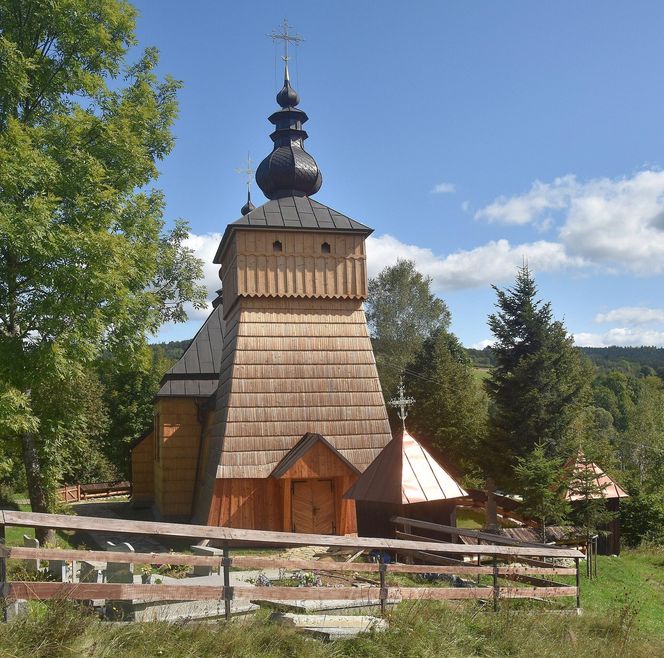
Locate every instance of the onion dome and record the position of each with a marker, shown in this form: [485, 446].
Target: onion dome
[289, 170]
[247, 207]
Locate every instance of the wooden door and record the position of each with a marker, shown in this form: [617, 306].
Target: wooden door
[313, 507]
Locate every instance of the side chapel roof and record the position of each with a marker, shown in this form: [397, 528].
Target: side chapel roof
[404, 472]
[196, 373]
[608, 486]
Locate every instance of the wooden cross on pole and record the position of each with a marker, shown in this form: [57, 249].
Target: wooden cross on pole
[402, 403]
[287, 38]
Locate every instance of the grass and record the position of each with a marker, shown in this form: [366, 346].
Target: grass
[469, 518]
[622, 618]
[635, 579]
[416, 629]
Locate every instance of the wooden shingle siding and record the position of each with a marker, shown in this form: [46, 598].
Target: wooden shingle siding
[142, 470]
[175, 472]
[251, 268]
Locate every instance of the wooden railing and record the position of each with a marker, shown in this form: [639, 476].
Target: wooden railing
[74, 493]
[377, 591]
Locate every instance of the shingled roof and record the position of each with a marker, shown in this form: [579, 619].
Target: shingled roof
[196, 373]
[403, 473]
[294, 212]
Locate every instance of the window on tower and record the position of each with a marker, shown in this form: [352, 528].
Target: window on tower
[276, 246]
[325, 247]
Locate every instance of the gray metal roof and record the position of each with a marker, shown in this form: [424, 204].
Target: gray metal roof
[294, 212]
[196, 373]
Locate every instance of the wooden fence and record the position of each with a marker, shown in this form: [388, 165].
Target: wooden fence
[506, 563]
[74, 493]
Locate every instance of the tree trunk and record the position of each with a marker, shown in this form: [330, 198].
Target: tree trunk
[491, 518]
[39, 499]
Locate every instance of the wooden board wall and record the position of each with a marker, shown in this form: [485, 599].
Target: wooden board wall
[142, 470]
[251, 266]
[175, 470]
[265, 504]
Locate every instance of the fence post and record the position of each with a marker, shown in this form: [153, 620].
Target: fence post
[3, 576]
[228, 590]
[578, 584]
[496, 591]
[382, 570]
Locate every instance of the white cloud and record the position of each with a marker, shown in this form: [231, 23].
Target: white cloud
[632, 315]
[623, 336]
[444, 188]
[493, 262]
[525, 208]
[616, 223]
[480, 345]
[205, 247]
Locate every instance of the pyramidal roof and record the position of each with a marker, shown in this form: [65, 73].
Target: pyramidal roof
[196, 372]
[403, 473]
[294, 213]
[609, 487]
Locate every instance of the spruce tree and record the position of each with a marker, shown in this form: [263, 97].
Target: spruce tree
[538, 383]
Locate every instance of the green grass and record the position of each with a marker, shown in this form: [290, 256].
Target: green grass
[416, 629]
[470, 518]
[622, 618]
[635, 579]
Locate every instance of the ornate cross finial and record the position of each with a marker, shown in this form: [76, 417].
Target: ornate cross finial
[287, 38]
[248, 171]
[402, 403]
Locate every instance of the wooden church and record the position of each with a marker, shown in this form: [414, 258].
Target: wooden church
[275, 408]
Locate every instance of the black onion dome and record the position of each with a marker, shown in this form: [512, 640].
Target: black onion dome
[247, 207]
[289, 170]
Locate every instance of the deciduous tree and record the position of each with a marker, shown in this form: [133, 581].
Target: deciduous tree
[402, 312]
[86, 262]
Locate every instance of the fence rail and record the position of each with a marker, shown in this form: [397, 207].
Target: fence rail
[378, 590]
[74, 493]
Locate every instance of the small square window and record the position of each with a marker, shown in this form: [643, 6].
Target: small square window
[277, 246]
[325, 247]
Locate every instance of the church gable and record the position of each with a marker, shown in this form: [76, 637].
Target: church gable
[313, 457]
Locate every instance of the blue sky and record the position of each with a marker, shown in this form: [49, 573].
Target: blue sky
[469, 135]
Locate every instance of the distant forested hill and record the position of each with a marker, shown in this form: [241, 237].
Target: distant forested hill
[635, 360]
[172, 350]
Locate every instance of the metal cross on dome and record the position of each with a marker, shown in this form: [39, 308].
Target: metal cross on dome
[287, 38]
[248, 171]
[402, 403]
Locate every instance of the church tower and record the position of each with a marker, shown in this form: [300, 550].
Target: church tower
[298, 413]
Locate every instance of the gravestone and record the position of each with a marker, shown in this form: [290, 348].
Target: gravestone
[119, 572]
[31, 566]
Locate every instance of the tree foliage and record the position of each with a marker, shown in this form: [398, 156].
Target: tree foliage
[450, 409]
[128, 394]
[539, 380]
[542, 483]
[402, 312]
[86, 261]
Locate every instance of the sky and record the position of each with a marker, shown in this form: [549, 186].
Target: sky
[472, 136]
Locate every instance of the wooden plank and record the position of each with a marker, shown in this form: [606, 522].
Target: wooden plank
[535, 592]
[466, 532]
[20, 552]
[113, 591]
[263, 537]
